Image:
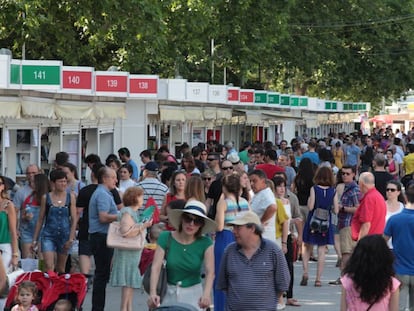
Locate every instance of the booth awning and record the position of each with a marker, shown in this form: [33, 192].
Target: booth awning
[107, 110]
[74, 110]
[10, 107]
[38, 107]
[171, 113]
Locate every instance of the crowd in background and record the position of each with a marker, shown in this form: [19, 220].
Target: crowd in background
[307, 192]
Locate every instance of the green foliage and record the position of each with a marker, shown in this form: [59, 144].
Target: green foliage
[350, 50]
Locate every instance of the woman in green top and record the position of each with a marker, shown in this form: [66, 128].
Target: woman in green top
[187, 251]
[8, 229]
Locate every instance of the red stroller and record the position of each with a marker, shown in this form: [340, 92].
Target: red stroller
[52, 287]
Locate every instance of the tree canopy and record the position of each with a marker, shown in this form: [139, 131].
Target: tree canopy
[359, 50]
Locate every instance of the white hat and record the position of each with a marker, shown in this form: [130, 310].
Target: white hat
[245, 218]
[192, 207]
[234, 158]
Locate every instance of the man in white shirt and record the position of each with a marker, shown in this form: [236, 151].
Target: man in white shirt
[263, 203]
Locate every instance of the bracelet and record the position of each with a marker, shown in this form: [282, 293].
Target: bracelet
[16, 254]
[34, 242]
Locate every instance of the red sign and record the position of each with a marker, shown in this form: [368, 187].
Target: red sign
[73, 79]
[110, 83]
[143, 85]
[246, 96]
[233, 95]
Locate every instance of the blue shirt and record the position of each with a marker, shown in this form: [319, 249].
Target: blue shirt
[135, 171]
[352, 154]
[313, 156]
[400, 228]
[102, 200]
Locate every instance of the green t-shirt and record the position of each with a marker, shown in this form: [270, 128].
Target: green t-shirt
[244, 156]
[4, 228]
[184, 262]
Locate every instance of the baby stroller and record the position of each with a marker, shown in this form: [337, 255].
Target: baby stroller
[52, 287]
[176, 307]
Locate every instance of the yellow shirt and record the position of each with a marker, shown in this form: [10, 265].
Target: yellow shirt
[408, 163]
[281, 217]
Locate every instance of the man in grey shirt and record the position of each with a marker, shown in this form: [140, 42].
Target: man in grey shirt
[252, 267]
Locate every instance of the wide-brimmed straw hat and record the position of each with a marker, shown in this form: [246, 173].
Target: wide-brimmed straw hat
[196, 208]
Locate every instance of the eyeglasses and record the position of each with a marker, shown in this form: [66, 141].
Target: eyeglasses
[391, 189]
[198, 221]
[227, 168]
[346, 173]
[207, 178]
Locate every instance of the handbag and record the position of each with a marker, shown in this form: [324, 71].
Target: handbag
[162, 280]
[115, 239]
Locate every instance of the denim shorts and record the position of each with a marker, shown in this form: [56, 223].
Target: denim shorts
[54, 243]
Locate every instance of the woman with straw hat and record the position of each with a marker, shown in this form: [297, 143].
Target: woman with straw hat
[188, 250]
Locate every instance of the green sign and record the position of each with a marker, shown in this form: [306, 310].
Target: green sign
[274, 99]
[303, 101]
[328, 105]
[294, 101]
[35, 74]
[334, 106]
[260, 98]
[285, 100]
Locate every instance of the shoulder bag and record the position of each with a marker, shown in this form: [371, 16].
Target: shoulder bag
[162, 280]
[115, 239]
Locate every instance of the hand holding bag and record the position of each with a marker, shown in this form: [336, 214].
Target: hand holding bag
[162, 280]
[115, 239]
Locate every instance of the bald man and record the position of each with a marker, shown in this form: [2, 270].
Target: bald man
[369, 217]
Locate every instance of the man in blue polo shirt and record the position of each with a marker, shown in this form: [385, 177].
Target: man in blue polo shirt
[252, 267]
[102, 211]
[399, 227]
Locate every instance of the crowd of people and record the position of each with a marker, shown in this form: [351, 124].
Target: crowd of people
[230, 224]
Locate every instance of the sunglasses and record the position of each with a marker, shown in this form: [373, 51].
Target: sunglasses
[198, 221]
[211, 159]
[346, 173]
[207, 178]
[227, 168]
[392, 189]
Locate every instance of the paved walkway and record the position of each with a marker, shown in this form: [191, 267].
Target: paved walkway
[311, 298]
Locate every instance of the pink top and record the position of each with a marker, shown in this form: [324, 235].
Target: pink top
[354, 303]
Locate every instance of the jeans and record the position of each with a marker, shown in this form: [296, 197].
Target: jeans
[406, 291]
[102, 256]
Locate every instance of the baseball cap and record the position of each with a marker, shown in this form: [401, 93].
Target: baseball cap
[245, 218]
[151, 166]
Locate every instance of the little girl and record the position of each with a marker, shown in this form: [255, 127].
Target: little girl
[26, 294]
[368, 282]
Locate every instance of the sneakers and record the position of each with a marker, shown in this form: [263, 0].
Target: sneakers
[281, 306]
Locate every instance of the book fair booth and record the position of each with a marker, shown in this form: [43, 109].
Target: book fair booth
[46, 107]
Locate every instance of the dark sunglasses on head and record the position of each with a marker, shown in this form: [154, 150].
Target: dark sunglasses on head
[227, 168]
[392, 189]
[198, 221]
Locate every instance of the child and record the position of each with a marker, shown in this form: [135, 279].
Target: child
[368, 282]
[149, 249]
[26, 294]
[63, 305]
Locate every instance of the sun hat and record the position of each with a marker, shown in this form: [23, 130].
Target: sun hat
[234, 158]
[196, 208]
[245, 218]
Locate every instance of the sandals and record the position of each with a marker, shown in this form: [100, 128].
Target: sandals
[318, 283]
[292, 302]
[304, 281]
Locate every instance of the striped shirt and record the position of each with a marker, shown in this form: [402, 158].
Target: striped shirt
[153, 188]
[252, 284]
